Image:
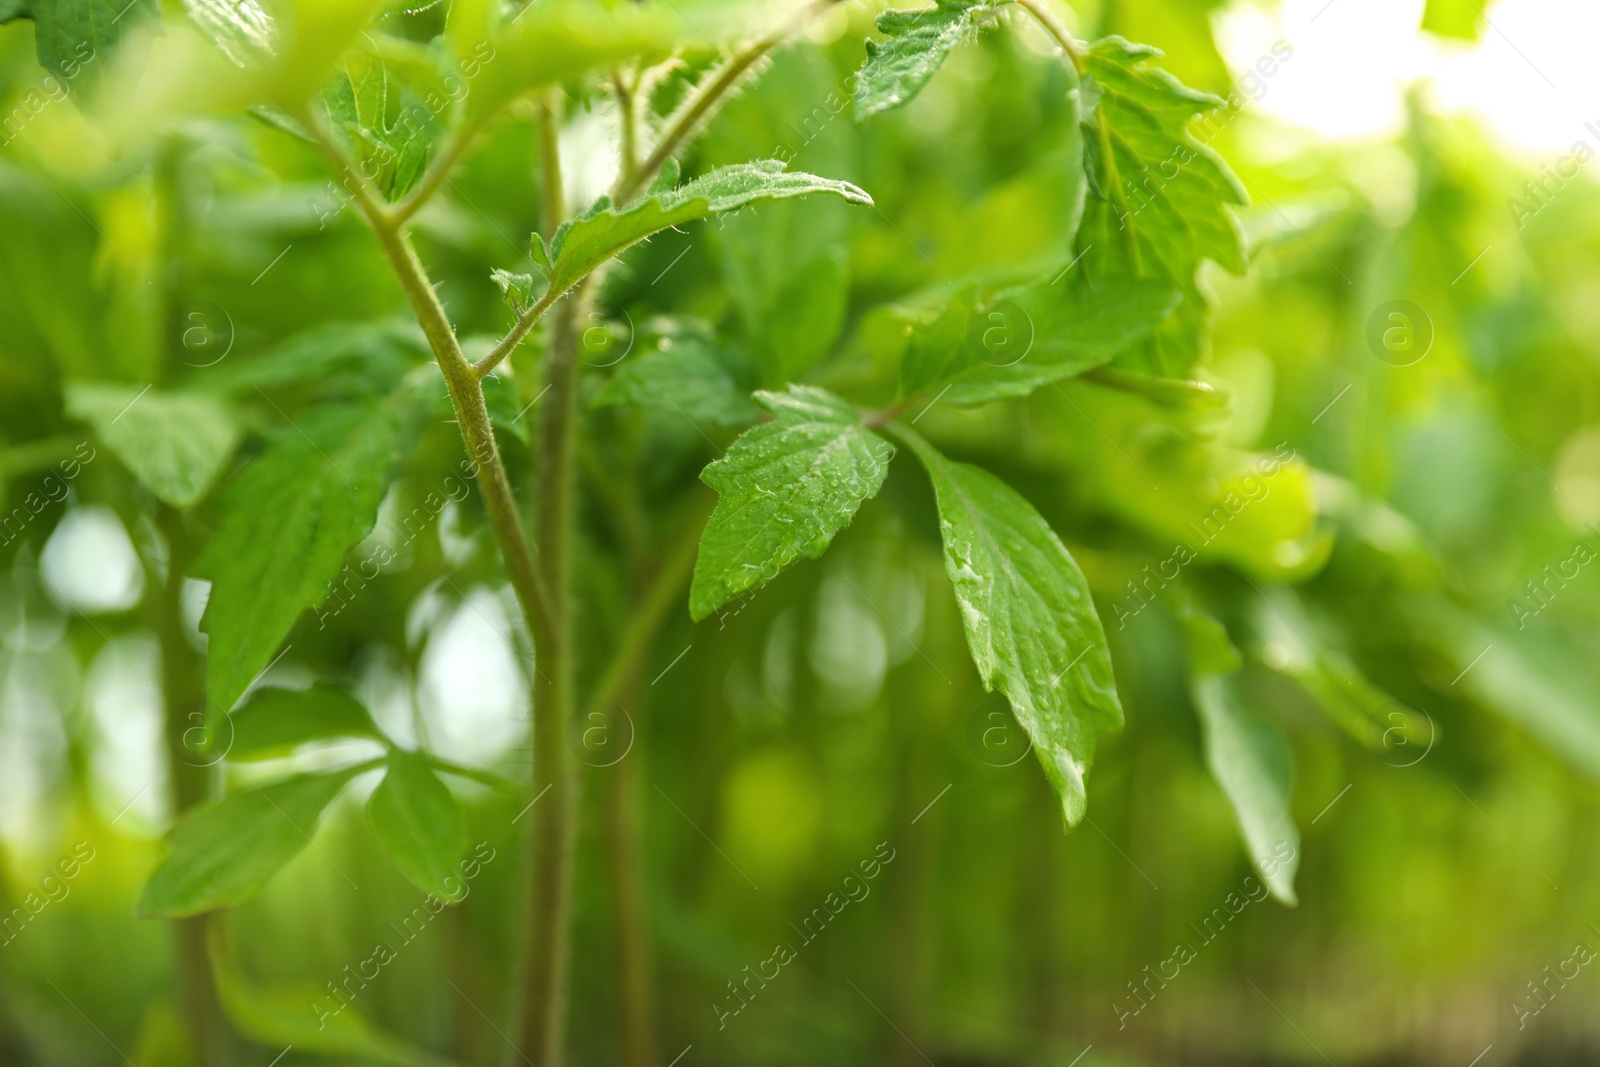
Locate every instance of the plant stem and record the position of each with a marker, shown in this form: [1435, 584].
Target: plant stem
[37, 455]
[554, 836]
[525, 322]
[493, 781]
[466, 395]
[626, 88]
[629, 914]
[1054, 28]
[183, 696]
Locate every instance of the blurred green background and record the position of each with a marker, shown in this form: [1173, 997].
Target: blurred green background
[1441, 712]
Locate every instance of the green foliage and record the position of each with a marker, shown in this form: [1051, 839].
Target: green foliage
[176, 444]
[288, 520]
[917, 44]
[785, 489]
[420, 824]
[273, 722]
[221, 855]
[1332, 588]
[1030, 623]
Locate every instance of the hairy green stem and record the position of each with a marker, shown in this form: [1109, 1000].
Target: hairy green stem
[636, 1004]
[547, 947]
[626, 87]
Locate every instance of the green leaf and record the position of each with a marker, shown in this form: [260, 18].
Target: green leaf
[223, 853]
[785, 489]
[583, 243]
[287, 522]
[420, 824]
[516, 288]
[917, 45]
[240, 29]
[1211, 650]
[1159, 199]
[1250, 760]
[689, 373]
[75, 38]
[1031, 336]
[274, 722]
[176, 444]
[1030, 622]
